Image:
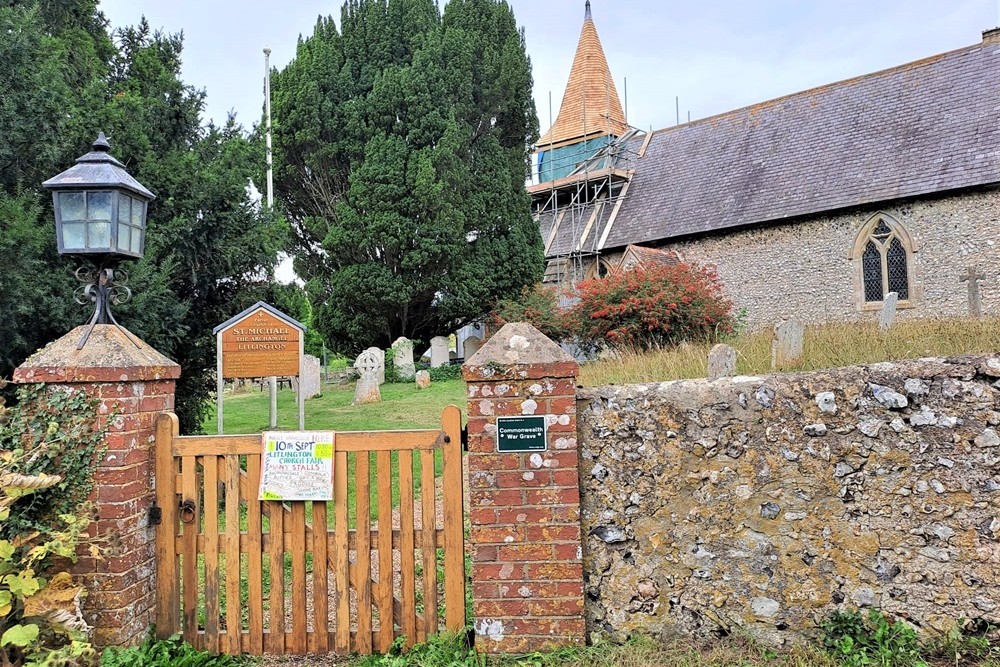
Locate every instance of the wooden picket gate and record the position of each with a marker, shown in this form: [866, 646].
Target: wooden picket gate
[354, 587]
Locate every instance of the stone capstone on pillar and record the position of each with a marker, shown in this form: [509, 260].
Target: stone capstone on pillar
[525, 541]
[133, 385]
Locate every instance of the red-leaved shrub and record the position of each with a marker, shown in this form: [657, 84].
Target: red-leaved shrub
[649, 307]
[537, 305]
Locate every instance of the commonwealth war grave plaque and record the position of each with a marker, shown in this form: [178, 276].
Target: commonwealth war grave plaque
[521, 434]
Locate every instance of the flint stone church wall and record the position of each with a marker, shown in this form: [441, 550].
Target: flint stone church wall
[767, 503]
[802, 269]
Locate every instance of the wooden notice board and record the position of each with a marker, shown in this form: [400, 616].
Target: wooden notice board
[260, 345]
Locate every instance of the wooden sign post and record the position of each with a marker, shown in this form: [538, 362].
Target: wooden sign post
[260, 342]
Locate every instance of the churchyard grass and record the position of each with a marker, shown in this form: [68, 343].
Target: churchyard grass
[827, 346]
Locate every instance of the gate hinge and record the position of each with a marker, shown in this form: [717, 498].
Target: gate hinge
[465, 438]
[155, 515]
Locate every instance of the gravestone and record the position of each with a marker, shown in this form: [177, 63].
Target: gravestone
[423, 379]
[721, 362]
[310, 380]
[972, 276]
[366, 390]
[439, 351]
[380, 355]
[471, 346]
[888, 311]
[402, 358]
[786, 346]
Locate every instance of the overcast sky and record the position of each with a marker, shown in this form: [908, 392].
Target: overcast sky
[716, 55]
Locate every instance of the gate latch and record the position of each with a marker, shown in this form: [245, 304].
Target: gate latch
[155, 515]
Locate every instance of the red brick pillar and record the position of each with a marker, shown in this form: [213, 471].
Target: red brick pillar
[133, 386]
[527, 571]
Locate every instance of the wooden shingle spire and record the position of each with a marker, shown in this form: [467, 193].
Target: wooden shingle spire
[590, 106]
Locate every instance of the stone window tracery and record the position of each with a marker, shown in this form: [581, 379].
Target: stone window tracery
[883, 256]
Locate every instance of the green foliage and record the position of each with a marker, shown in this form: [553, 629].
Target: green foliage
[967, 640]
[210, 250]
[401, 154]
[443, 650]
[537, 305]
[860, 640]
[171, 652]
[293, 300]
[445, 373]
[48, 445]
[650, 307]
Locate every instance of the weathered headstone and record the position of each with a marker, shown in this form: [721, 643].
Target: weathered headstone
[366, 390]
[402, 358]
[380, 356]
[972, 276]
[471, 346]
[439, 351]
[423, 379]
[786, 347]
[888, 311]
[721, 362]
[309, 383]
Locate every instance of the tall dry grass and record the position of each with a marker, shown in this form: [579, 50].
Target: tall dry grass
[826, 346]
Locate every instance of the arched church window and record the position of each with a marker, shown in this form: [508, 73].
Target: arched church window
[884, 250]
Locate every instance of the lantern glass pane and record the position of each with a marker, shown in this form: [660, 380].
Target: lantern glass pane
[73, 235]
[72, 206]
[136, 237]
[124, 237]
[137, 207]
[124, 208]
[99, 206]
[99, 235]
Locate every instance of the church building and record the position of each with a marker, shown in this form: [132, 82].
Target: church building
[813, 206]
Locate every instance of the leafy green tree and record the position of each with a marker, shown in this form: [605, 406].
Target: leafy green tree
[401, 144]
[210, 250]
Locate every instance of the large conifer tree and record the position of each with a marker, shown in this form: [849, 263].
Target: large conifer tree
[401, 156]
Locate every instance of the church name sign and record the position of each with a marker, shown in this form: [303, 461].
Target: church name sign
[260, 345]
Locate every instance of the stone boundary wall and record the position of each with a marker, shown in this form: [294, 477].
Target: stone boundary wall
[767, 503]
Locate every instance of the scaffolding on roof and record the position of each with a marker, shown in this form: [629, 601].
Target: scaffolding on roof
[575, 212]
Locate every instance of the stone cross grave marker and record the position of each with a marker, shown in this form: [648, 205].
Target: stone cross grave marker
[402, 358]
[380, 356]
[439, 351]
[366, 390]
[786, 346]
[972, 276]
[721, 362]
[888, 311]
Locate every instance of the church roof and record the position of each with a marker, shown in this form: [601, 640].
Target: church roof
[590, 104]
[923, 128]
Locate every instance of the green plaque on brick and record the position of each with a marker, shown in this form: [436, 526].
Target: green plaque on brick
[521, 434]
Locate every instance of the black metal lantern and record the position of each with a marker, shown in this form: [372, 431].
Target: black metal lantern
[101, 215]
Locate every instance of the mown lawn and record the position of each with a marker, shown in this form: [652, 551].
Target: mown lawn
[403, 406]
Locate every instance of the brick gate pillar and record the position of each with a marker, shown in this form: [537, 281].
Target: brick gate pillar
[133, 385]
[527, 572]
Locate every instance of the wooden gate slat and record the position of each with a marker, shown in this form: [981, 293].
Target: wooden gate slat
[454, 517]
[234, 625]
[298, 552]
[255, 577]
[190, 564]
[384, 595]
[363, 559]
[276, 572]
[343, 604]
[210, 465]
[168, 593]
[320, 637]
[428, 515]
[407, 593]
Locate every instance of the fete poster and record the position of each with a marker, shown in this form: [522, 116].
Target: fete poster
[297, 465]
